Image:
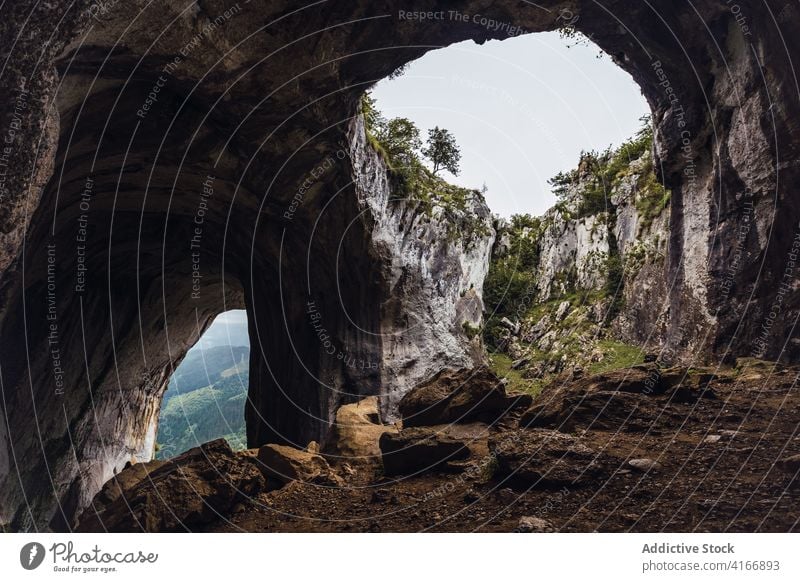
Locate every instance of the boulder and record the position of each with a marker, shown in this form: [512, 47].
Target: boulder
[686, 386]
[512, 326]
[465, 395]
[285, 464]
[538, 330]
[546, 459]
[181, 494]
[517, 364]
[529, 524]
[125, 480]
[419, 450]
[356, 431]
[626, 399]
[644, 465]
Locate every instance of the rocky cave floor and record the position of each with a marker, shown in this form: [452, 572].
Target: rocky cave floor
[641, 449]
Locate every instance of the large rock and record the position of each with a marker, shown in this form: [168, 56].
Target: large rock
[286, 464]
[419, 450]
[126, 480]
[191, 490]
[546, 459]
[627, 399]
[460, 396]
[356, 431]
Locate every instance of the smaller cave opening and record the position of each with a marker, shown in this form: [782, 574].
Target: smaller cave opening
[207, 392]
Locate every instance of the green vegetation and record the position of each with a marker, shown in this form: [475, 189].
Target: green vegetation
[442, 151]
[470, 330]
[400, 139]
[397, 141]
[578, 339]
[500, 364]
[616, 355]
[510, 286]
[600, 174]
[205, 414]
[204, 367]
[205, 401]
[651, 196]
[577, 344]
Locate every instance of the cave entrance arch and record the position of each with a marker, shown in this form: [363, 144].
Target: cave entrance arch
[244, 102]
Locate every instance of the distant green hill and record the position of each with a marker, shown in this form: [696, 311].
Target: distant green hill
[204, 367]
[205, 400]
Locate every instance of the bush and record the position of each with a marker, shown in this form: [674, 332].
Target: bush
[510, 286]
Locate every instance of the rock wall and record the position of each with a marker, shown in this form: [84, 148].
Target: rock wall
[433, 273]
[576, 258]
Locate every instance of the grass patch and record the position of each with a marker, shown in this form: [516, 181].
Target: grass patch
[501, 365]
[617, 355]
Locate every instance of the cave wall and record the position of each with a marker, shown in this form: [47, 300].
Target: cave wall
[148, 108]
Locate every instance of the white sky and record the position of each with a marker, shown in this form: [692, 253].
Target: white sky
[521, 110]
[228, 328]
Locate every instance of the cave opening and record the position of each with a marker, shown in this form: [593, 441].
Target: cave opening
[206, 394]
[557, 138]
[521, 110]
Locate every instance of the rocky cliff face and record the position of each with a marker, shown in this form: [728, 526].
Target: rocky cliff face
[127, 124]
[577, 255]
[434, 268]
[590, 271]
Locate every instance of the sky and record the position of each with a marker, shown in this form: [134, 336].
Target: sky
[227, 329]
[521, 110]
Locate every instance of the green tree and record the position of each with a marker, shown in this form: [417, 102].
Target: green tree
[400, 138]
[372, 116]
[442, 150]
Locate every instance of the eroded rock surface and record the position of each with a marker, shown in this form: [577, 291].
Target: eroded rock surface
[459, 396]
[357, 430]
[287, 464]
[193, 489]
[664, 474]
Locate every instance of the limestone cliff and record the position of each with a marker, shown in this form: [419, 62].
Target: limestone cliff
[592, 268]
[434, 266]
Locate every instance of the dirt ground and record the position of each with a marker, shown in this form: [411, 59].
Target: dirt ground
[722, 465]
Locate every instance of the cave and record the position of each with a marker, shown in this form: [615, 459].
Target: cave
[166, 165]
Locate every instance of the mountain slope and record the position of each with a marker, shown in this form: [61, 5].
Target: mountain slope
[205, 401]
